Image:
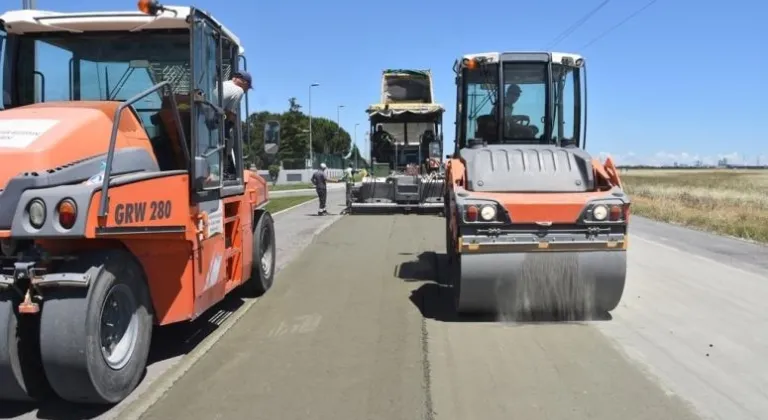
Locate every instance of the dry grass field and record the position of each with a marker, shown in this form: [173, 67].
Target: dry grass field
[727, 201]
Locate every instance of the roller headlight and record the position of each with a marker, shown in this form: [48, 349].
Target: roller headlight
[488, 213]
[600, 212]
[36, 212]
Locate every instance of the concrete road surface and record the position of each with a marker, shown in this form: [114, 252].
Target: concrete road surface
[172, 346]
[358, 327]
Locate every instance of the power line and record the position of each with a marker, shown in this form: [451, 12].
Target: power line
[612, 28]
[571, 29]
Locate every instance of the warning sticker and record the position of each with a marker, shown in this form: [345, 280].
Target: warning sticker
[19, 134]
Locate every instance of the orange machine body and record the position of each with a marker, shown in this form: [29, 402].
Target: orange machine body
[187, 269]
[532, 208]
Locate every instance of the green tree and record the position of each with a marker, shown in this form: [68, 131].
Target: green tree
[327, 136]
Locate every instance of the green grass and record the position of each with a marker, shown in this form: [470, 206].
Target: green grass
[726, 201]
[288, 187]
[281, 203]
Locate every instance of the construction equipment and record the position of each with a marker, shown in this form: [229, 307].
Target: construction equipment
[125, 204]
[534, 224]
[406, 142]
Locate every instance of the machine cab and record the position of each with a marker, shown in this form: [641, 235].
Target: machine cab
[89, 60]
[405, 123]
[520, 98]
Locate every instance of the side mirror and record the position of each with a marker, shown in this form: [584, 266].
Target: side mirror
[271, 137]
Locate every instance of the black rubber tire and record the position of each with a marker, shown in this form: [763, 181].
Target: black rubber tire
[21, 373]
[261, 280]
[450, 243]
[70, 330]
[455, 280]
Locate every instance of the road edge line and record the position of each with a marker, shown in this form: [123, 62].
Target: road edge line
[158, 389]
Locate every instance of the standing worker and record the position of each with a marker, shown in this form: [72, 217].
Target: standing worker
[349, 178]
[233, 89]
[319, 180]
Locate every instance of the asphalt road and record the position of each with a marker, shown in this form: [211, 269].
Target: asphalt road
[175, 346]
[358, 327]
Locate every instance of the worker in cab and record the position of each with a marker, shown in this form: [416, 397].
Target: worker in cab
[384, 144]
[512, 127]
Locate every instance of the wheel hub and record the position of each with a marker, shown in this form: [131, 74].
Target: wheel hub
[266, 253]
[118, 327]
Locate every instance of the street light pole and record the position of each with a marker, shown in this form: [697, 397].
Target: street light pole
[357, 155]
[338, 121]
[311, 160]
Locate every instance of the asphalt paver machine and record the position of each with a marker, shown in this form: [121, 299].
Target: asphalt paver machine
[406, 142]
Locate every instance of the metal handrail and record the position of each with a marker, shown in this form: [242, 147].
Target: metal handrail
[103, 206]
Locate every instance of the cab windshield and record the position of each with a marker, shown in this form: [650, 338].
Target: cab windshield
[94, 67]
[403, 143]
[522, 97]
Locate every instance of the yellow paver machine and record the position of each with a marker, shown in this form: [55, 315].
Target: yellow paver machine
[406, 143]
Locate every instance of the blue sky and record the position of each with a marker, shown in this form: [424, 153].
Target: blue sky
[683, 80]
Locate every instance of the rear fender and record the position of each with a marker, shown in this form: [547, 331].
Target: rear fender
[607, 171]
[612, 171]
[455, 173]
[256, 189]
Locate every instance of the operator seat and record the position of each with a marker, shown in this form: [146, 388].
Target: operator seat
[486, 127]
[173, 157]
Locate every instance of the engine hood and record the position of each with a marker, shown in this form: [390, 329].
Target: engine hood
[45, 136]
[527, 168]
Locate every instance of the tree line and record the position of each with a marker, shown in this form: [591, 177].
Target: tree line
[327, 137]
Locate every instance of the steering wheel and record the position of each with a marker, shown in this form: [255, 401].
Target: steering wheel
[518, 126]
[519, 119]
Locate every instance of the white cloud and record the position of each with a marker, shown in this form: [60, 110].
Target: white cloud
[663, 158]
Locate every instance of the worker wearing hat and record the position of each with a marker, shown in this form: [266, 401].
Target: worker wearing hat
[510, 98]
[233, 91]
[320, 180]
[512, 128]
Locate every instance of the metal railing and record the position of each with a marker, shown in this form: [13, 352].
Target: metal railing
[104, 205]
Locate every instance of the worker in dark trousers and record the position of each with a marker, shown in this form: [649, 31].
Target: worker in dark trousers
[319, 180]
[349, 179]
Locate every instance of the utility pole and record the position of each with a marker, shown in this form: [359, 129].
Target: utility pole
[28, 4]
[311, 160]
[338, 121]
[369, 142]
[354, 145]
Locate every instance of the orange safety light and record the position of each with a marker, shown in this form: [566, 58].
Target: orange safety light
[150, 7]
[472, 213]
[470, 63]
[67, 210]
